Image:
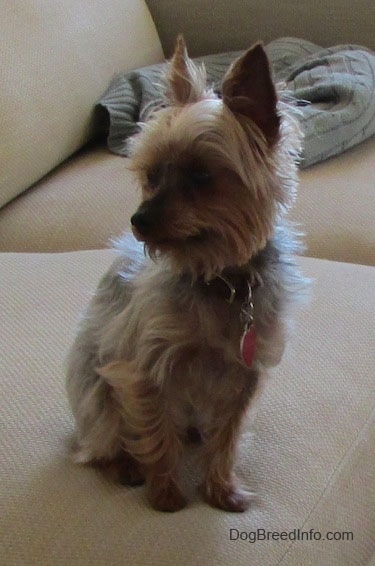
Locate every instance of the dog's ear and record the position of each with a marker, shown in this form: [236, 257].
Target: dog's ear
[248, 89]
[186, 81]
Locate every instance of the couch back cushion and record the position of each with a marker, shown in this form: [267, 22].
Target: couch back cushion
[213, 26]
[57, 59]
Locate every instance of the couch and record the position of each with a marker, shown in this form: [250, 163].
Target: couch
[309, 454]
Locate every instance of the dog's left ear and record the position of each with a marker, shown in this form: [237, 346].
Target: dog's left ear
[248, 90]
[186, 81]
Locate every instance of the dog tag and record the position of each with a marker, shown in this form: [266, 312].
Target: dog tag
[248, 343]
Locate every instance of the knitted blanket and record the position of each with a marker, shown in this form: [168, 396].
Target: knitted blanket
[334, 88]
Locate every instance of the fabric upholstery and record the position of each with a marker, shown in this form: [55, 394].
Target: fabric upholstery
[310, 459]
[90, 198]
[218, 25]
[81, 205]
[336, 206]
[57, 59]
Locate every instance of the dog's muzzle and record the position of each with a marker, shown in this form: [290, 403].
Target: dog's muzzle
[147, 221]
[142, 223]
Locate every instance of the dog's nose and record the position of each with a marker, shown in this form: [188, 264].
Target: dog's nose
[142, 222]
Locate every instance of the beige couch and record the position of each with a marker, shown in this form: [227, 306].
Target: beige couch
[310, 453]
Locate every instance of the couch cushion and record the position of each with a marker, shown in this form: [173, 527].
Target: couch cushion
[336, 206]
[310, 461]
[90, 198]
[210, 30]
[57, 59]
[81, 205]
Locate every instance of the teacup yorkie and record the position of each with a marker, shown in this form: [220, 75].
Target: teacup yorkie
[175, 341]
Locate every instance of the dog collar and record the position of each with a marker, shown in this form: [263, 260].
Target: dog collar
[240, 286]
[248, 339]
[232, 286]
[232, 290]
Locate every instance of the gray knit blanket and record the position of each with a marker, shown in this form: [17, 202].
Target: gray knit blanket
[334, 88]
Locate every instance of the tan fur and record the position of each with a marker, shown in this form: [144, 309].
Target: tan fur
[157, 360]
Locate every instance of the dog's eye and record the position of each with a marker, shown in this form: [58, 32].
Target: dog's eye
[153, 178]
[200, 176]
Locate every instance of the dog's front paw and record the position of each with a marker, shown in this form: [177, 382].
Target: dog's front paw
[228, 497]
[121, 469]
[165, 496]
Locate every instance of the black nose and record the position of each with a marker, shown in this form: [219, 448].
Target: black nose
[142, 222]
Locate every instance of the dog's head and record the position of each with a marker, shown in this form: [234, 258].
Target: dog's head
[214, 171]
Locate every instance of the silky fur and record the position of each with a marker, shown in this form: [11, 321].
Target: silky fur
[157, 361]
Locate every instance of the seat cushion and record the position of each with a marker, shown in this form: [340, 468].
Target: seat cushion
[336, 206]
[309, 454]
[81, 205]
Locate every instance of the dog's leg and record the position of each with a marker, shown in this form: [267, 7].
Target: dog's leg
[150, 436]
[99, 422]
[155, 445]
[100, 436]
[221, 488]
[123, 469]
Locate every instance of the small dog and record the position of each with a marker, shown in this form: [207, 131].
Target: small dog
[175, 342]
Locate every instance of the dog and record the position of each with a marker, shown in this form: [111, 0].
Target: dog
[179, 335]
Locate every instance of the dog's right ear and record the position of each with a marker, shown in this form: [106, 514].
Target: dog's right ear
[186, 81]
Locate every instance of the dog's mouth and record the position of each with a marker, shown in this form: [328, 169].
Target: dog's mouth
[170, 241]
[137, 235]
[194, 238]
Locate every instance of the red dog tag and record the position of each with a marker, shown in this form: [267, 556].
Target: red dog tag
[248, 343]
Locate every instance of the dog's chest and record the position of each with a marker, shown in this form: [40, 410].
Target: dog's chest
[205, 367]
[208, 332]
[189, 344]
[185, 332]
